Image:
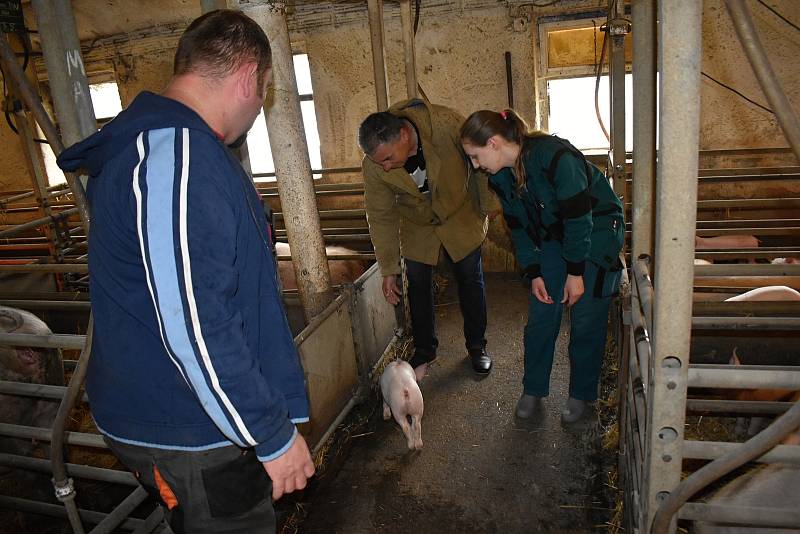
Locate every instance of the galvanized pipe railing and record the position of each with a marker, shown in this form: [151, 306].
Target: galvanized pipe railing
[748, 37]
[99, 474]
[748, 451]
[65, 491]
[34, 105]
[644, 125]
[680, 51]
[16, 230]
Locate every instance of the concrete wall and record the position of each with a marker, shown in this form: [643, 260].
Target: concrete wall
[729, 121]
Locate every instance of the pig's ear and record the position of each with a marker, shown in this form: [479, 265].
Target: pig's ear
[735, 358]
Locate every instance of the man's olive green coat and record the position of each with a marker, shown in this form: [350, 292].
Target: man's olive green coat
[404, 221]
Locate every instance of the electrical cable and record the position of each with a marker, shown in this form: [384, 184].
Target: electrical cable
[784, 19]
[598, 74]
[729, 88]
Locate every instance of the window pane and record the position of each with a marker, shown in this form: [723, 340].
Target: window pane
[303, 74]
[572, 113]
[312, 135]
[258, 146]
[105, 100]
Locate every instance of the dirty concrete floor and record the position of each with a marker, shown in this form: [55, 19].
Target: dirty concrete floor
[480, 470]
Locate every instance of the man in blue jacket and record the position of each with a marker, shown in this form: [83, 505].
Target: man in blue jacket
[194, 378]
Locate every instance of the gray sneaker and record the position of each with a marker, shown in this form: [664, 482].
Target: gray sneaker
[527, 405]
[574, 410]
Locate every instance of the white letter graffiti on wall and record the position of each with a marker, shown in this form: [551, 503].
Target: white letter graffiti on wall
[75, 61]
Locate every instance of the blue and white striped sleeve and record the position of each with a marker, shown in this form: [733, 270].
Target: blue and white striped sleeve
[187, 223]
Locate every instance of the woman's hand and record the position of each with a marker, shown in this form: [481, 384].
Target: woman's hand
[573, 290]
[539, 291]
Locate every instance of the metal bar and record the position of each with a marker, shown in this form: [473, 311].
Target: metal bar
[766, 252]
[16, 230]
[34, 105]
[752, 223]
[47, 305]
[290, 154]
[326, 170]
[723, 178]
[748, 37]
[616, 61]
[336, 422]
[375, 10]
[43, 434]
[50, 341]
[758, 203]
[736, 456]
[784, 231]
[333, 230]
[744, 376]
[333, 214]
[644, 289]
[40, 465]
[680, 50]
[56, 510]
[407, 25]
[747, 269]
[766, 308]
[711, 450]
[41, 391]
[738, 407]
[644, 125]
[741, 515]
[121, 512]
[46, 268]
[152, 521]
[747, 323]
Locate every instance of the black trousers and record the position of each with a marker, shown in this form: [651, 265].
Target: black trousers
[471, 298]
[224, 490]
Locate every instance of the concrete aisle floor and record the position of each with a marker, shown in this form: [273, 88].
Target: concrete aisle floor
[480, 470]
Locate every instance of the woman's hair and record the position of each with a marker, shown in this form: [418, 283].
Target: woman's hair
[483, 124]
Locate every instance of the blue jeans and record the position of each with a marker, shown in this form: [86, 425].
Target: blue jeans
[471, 298]
[588, 327]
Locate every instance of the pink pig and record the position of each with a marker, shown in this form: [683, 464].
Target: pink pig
[403, 399]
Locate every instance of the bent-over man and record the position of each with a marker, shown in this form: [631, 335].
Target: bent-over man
[421, 197]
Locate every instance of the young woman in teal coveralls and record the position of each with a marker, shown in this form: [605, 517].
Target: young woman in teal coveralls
[567, 227]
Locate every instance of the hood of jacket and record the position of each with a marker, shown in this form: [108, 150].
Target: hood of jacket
[148, 111]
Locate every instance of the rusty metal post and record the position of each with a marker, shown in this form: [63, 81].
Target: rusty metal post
[680, 50]
[407, 23]
[375, 8]
[292, 166]
[644, 127]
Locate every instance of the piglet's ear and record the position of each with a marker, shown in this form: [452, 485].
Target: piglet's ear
[735, 358]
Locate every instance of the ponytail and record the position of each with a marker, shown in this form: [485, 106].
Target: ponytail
[482, 125]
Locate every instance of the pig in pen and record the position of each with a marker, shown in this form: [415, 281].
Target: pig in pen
[31, 366]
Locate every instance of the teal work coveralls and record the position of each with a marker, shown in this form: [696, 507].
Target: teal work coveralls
[565, 219]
